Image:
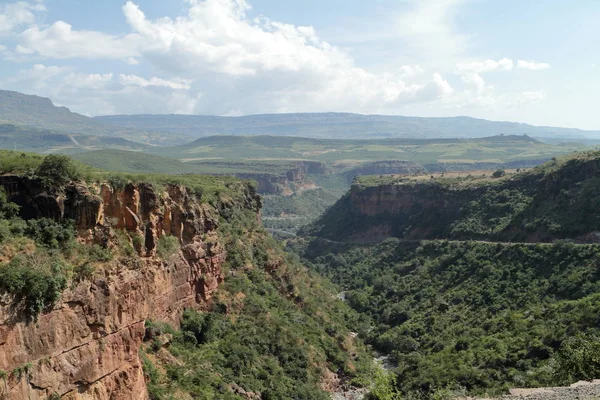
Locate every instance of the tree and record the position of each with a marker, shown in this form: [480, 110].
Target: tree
[579, 358]
[498, 173]
[57, 169]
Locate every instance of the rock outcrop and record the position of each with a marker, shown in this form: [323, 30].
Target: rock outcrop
[526, 207]
[87, 346]
[287, 182]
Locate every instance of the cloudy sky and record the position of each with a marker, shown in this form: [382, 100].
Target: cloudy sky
[528, 61]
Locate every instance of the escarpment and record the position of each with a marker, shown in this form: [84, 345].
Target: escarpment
[287, 182]
[558, 200]
[87, 345]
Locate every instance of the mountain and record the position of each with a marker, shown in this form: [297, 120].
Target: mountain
[336, 125]
[39, 112]
[471, 284]
[27, 138]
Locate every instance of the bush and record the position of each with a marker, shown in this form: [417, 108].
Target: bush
[36, 280]
[57, 169]
[49, 233]
[579, 359]
[499, 173]
[167, 246]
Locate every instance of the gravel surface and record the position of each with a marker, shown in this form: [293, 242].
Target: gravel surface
[578, 391]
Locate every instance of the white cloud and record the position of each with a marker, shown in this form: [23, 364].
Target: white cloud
[429, 28]
[13, 15]
[532, 65]
[139, 81]
[287, 67]
[410, 71]
[60, 41]
[96, 94]
[216, 60]
[478, 67]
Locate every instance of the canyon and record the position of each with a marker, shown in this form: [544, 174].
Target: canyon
[87, 345]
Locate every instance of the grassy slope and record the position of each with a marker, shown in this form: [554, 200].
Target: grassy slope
[492, 149]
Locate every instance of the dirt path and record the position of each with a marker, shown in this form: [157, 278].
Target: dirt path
[578, 391]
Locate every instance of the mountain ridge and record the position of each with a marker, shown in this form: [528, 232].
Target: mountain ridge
[304, 124]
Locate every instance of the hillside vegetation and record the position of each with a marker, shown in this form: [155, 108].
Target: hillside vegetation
[348, 153]
[479, 309]
[555, 200]
[272, 328]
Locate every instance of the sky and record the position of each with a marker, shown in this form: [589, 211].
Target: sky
[526, 61]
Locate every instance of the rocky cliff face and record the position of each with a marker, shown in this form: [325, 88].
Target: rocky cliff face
[288, 182]
[87, 346]
[558, 200]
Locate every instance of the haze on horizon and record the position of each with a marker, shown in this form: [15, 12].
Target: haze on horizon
[499, 60]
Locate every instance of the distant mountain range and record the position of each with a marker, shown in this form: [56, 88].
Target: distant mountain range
[37, 118]
[338, 126]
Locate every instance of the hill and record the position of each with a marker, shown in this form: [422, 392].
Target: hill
[129, 161]
[347, 153]
[335, 125]
[39, 112]
[471, 284]
[43, 140]
[528, 206]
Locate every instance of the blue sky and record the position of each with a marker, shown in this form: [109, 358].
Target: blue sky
[526, 61]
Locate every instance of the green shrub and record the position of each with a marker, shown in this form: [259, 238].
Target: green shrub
[83, 272]
[167, 246]
[36, 280]
[498, 173]
[58, 169]
[49, 233]
[579, 358]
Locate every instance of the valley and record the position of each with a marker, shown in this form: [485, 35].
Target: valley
[221, 263]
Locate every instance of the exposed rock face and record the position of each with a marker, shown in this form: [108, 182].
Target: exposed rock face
[286, 183]
[267, 183]
[87, 346]
[529, 207]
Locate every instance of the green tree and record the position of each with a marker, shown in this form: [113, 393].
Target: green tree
[57, 169]
[498, 173]
[579, 358]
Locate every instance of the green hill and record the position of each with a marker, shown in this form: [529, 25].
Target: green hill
[348, 153]
[51, 141]
[39, 112]
[129, 161]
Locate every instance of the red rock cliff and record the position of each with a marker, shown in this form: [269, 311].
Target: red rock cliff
[87, 346]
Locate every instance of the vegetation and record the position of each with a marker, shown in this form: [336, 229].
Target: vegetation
[353, 152]
[272, 329]
[482, 316]
[35, 279]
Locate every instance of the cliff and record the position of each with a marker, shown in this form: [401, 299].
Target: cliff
[288, 181]
[87, 345]
[557, 200]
